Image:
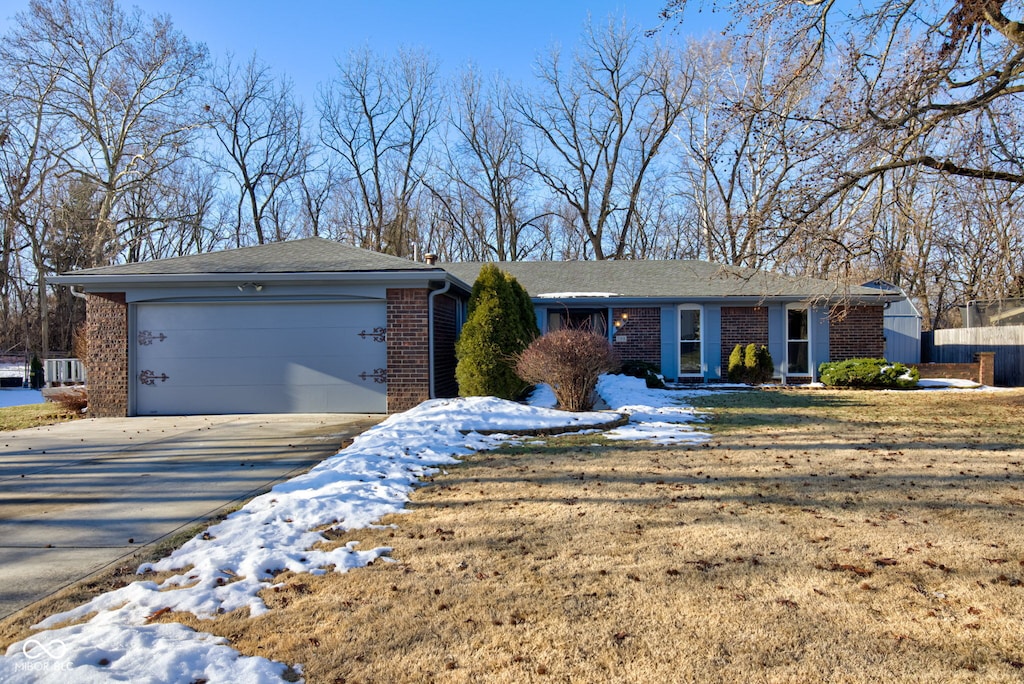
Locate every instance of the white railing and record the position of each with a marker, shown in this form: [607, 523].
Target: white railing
[64, 372]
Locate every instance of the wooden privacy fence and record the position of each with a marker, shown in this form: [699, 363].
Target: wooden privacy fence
[959, 345]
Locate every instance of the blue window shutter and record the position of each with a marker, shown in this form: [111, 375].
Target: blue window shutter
[818, 320]
[670, 342]
[541, 315]
[777, 337]
[711, 331]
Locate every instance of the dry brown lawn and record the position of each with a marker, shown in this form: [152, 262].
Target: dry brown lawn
[33, 415]
[821, 536]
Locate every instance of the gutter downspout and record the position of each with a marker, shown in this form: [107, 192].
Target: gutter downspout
[430, 333]
[80, 295]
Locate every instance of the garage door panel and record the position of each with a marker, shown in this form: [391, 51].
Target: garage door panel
[212, 399]
[297, 342]
[271, 315]
[198, 371]
[259, 358]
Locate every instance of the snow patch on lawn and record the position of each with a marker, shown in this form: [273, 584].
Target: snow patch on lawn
[655, 415]
[224, 569]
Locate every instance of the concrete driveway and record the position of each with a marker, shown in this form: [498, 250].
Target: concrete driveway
[77, 497]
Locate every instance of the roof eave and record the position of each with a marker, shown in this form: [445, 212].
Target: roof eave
[107, 282]
[834, 298]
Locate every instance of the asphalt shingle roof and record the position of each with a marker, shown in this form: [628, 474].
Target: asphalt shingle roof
[691, 280]
[659, 279]
[309, 255]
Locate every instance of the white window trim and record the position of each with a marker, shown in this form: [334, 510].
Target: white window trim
[679, 340]
[810, 342]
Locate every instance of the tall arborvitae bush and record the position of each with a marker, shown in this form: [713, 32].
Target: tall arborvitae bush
[500, 324]
[36, 377]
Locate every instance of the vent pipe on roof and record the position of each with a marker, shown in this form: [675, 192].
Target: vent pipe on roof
[430, 258]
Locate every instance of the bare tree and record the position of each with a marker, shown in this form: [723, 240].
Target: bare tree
[602, 121]
[485, 186]
[378, 115]
[29, 157]
[175, 214]
[916, 70]
[260, 130]
[319, 183]
[746, 148]
[121, 92]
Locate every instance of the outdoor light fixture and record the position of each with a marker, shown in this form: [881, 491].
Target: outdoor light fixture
[623, 319]
[256, 286]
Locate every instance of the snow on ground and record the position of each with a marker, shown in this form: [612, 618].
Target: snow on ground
[19, 397]
[655, 415]
[12, 370]
[928, 383]
[224, 568]
[16, 396]
[227, 566]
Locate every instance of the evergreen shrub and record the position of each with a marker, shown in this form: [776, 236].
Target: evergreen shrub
[737, 372]
[500, 324]
[36, 373]
[648, 372]
[751, 364]
[868, 373]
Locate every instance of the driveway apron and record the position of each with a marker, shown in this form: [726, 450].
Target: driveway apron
[77, 497]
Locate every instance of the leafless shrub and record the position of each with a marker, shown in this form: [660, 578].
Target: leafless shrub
[570, 360]
[80, 344]
[73, 398]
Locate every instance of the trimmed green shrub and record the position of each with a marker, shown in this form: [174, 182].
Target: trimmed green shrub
[736, 372]
[751, 364]
[36, 374]
[500, 324]
[868, 373]
[648, 372]
[570, 360]
[758, 363]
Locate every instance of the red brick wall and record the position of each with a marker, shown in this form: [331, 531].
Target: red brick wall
[742, 325]
[445, 384]
[982, 371]
[107, 360]
[643, 335]
[856, 332]
[408, 348]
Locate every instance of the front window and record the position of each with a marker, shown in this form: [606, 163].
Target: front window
[798, 342]
[594, 320]
[689, 342]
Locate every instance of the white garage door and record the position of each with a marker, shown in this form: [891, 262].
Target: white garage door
[266, 357]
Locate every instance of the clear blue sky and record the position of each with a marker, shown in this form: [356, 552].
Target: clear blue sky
[304, 38]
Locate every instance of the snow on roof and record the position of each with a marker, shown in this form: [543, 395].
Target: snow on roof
[574, 295]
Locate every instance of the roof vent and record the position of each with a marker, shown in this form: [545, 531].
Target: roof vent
[430, 258]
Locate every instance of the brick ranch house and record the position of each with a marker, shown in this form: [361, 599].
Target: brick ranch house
[316, 326]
